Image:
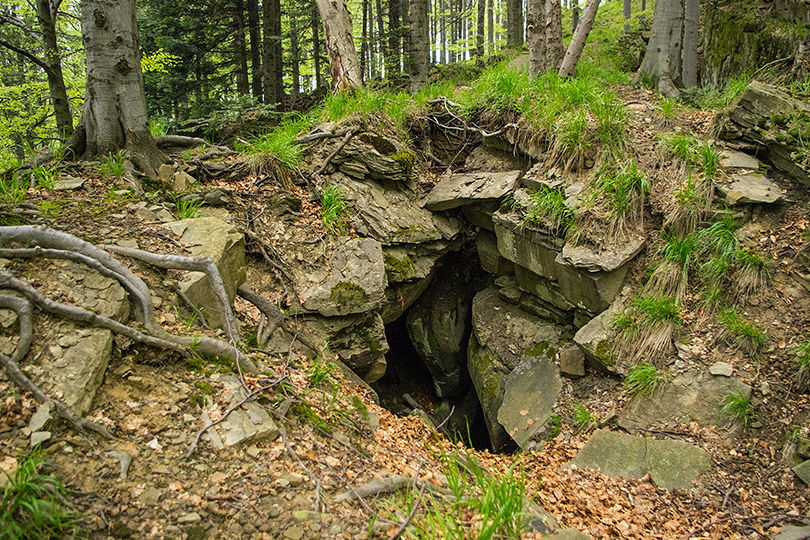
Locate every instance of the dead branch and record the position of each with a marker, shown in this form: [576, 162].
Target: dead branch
[194, 264]
[11, 364]
[408, 520]
[341, 146]
[322, 135]
[380, 486]
[179, 141]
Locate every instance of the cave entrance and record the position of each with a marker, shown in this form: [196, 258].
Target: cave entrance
[427, 358]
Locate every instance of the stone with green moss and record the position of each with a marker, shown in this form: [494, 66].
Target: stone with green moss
[401, 269]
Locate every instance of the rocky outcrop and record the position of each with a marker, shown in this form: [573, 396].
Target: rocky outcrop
[749, 189]
[773, 124]
[460, 189]
[225, 245]
[504, 337]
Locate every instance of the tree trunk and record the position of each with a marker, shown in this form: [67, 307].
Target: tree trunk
[480, 29]
[514, 23]
[574, 52]
[443, 30]
[239, 48]
[316, 47]
[364, 48]
[662, 59]
[337, 29]
[272, 65]
[114, 115]
[643, 5]
[382, 42]
[46, 16]
[690, 43]
[535, 35]
[490, 28]
[574, 18]
[392, 65]
[627, 12]
[255, 48]
[419, 42]
[553, 34]
[295, 54]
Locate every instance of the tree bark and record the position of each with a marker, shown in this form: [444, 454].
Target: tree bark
[574, 52]
[393, 59]
[480, 29]
[574, 18]
[316, 46]
[627, 13]
[514, 23]
[46, 16]
[690, 43]
[553, 34]
[490, 28]
[255, 49]
[295, 54]
[535, 35]
[114, 115]
[419, 42]
[662, 59]
[382, 42]
[240, 50]
[272, 72]
[337, 29]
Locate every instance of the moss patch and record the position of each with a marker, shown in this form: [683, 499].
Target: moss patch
[399, 269]
[605, 353]
[542, 348]
[346, 293]
[406, 159]
[365, 331]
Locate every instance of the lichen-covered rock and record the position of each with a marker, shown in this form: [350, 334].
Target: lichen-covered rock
[459, 189]
[503, 336]
[596, 339]
[225, 245]
[352, 281]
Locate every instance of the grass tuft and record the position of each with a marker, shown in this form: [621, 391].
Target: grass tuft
[549, 208]
[112, 165]
[643, 379]
[335, 209]
[188, 208]
[742, 334]
[584, 420]
[738, 407]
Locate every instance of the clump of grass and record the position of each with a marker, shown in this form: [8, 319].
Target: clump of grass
[549, 208]
[619, 193]
[667, 112]
[13, 189]
[680, 147]
[44, 177]
[584, 420]
[159, 126]
[485, 506]
[803, 360]
[188, 208]
[708, 160]
[647, 328]
[692, 200]
[322, 370]
[571, 140]
[643, 379]
[276, 152]
[738, 407]
[335, 209]
[752, 272]
[671, 276]
[742, 334]
[112, 165]
[33, 504]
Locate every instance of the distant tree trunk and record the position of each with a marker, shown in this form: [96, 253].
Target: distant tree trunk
[553, 34]
[690, 43]
[364, 52]
[443, 28]
[393, 65]
[316, 47]
[114, 115]
[514, 23]
[627, 13]
[574, 18]
[575, 48]
[47, 12]
[382, 44]
[480, 29]
[643, 5]
[255, 49]
[295, 54]
[662, 59]
[337, 29]
[535, 35]
[273, 66]
[240, 50]
[419, 54]
[490, 28]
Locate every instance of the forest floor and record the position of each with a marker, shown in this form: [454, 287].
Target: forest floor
[285, 488]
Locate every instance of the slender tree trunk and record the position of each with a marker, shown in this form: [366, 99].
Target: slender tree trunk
[255, 49]
[364, 52]
[662, 59]
[273, 67]
[114, 115]
[514, 23]
[574, 52]
[46, 16]
[382, 44]
[295, 54]
[443, 28]
[490, 27]
[643, 5]
[240, 50]
[316, 47]
[627, 13]
[690, 43]
[553, 33]
[419, 53]
[480, 28]
[337, 28]
[535, 35]
[574, 18]
[392, 66]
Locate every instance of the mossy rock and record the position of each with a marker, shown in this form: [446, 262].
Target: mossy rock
[542, 348]
[346, 293]
[399, 269]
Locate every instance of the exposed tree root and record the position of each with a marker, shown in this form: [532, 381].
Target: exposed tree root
[163, 141]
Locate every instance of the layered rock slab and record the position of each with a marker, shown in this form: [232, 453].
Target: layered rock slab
[459, 189]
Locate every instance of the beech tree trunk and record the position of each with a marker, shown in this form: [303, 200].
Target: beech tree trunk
[255, 49]
[575, 48]
[316, 46]
[553, 34]
[114, 116]
[46, 16]
[480, 28]
[490, 28]
[514, 23]
[535, 35]
[337, 29]
[272, 65]
[690, 43]
[662, 60]
[627, 13]
[295, 51]
[240, 51]
[419, 43]
[574, 18]
[392, 65]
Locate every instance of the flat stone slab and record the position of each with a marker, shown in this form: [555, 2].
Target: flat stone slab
[530, 392]
[791, 532]
[459, 189]
[248, 423]
[671, 464]
[750, 189]
[353, 281]
[607, 260]
[64, 183]
[722, 369]
[802, 470]
[691, 397]
[732, 159]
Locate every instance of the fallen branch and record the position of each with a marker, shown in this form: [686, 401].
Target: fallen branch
[12, 366]
[380, 486]
[178, 140]
[322, 135]
[341, 146]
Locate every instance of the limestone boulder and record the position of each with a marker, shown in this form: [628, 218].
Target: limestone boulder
[400, 296]
[352, 281]
[459, 189]
[503, 336]
[749, 189]
[225, 245]
[246, 424]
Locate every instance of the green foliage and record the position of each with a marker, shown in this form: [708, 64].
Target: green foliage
[752, 272]
[679, 146]
[624, 190]
[33, 504]
[159, 61]
[335, 208]
[803, 353]
[643, 379]
[583, 419]
[276, 147]
[549, 208]
[159, 126]
[13, 188]
[112, 165]
[668, 108]
[187, 208]
[748, 335]
[680, 251]
[719, 237]
[718, 98]
[322, 370]
[554, 425]
[708, 160]
[738, 407]
[479, 505]
[654, 309]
